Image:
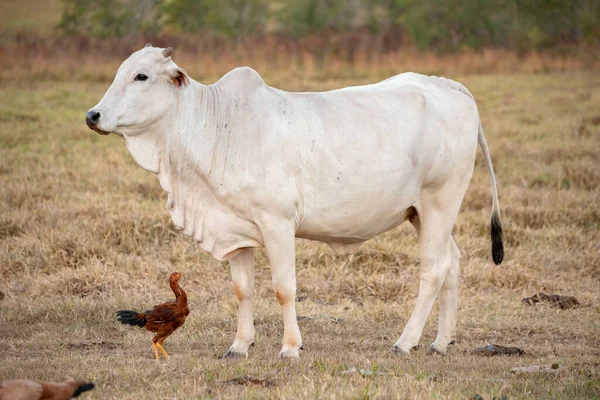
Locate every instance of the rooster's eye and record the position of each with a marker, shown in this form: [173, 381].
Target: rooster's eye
[140, 77]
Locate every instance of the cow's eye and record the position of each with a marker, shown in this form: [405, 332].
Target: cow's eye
[140, 77]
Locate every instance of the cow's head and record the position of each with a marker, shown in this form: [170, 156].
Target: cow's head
[144, 88]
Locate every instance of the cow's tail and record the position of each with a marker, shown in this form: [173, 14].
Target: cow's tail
[496, 223]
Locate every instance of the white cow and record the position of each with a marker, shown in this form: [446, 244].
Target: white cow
[246, 165]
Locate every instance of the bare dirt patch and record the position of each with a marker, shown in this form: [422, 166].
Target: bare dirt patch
[93, 346]
[248, 380]
[555, 300]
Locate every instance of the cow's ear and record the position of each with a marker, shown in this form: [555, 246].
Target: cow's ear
[179, 77]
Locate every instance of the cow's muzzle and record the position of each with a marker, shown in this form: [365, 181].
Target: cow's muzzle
[91, 119]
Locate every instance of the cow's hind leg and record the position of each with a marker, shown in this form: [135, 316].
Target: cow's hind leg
[437, 211]
[242, 275]
[448, 295]
[448, 303]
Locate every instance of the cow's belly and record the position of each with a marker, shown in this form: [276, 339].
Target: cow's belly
[345, 221]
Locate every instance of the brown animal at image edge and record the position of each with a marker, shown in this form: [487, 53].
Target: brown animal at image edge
[22, 389]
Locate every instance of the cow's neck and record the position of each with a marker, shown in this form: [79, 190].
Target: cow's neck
[145, 148]
[192, 128]
[181, 149]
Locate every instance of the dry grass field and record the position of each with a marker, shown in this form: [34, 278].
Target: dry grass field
[84, 232]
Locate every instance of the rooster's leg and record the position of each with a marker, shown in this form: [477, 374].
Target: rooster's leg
[155, 350]
[162, 350]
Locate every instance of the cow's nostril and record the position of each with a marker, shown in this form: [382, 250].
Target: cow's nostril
[91, 118]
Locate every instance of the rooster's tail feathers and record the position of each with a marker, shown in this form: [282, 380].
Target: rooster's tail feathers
[133, 318]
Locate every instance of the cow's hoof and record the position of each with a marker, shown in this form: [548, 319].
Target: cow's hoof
[234, 355]
[289, 353]
[398, 349]
[439, 349]
[436, 349]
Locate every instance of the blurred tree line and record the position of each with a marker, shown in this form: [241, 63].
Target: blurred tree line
[432, 24]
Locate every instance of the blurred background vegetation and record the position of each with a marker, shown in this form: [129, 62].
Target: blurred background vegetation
[305, 38]
[441, 24]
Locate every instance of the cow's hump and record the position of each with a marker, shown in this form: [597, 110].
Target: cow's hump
[242, 78]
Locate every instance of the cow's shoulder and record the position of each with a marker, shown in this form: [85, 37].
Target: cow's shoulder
[242, 78]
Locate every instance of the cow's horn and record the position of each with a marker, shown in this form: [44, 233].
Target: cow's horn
[167, 52]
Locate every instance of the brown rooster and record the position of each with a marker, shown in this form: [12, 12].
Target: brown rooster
[21, 389]
[163, 319]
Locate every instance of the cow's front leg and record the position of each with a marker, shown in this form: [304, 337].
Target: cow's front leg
[242, 275]
[281, 250]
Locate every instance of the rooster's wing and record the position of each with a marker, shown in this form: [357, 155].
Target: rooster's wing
[164, 313]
